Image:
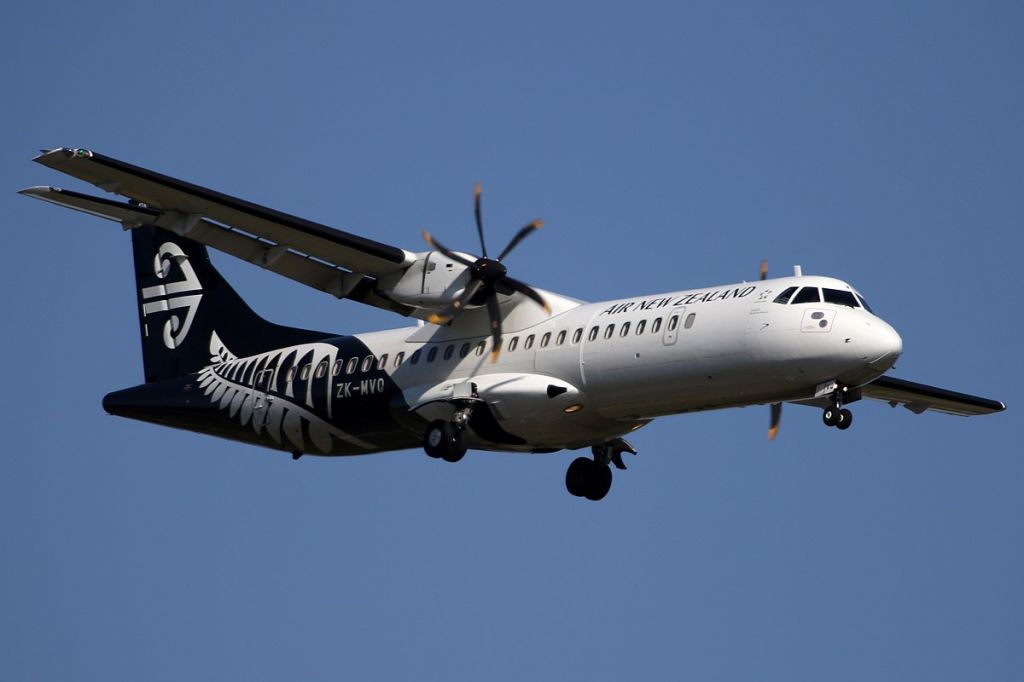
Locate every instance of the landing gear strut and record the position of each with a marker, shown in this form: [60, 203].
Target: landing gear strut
[592, 478]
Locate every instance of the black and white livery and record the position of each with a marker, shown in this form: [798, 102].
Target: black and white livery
[494, 364]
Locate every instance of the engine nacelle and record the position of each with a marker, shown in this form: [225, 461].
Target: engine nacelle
[431, 282]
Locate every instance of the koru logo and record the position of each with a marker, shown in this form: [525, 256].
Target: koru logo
[172, 296]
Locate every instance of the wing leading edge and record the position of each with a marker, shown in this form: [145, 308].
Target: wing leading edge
[919, 397]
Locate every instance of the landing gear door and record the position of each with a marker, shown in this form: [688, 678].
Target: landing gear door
[261, 400]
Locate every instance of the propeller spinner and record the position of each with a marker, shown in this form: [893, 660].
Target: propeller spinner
[487, 277]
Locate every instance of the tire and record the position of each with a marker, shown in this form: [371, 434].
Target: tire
[830, 416]
[600, 482]
[845, 420]
[577, 477]
[456, 444]
[435, 437]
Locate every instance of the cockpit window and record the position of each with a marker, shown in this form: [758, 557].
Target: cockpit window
[807, 295]
[840, 297]
[865, 304]
[784, 297]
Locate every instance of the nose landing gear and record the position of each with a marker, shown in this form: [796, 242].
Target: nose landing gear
[835, 414]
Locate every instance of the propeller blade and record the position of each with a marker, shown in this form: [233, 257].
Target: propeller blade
[479, 218]
[494, 312]
[764, 269]
[457, 305]
[527, 291]
[773, 430]
[523, 233]
[438, 246]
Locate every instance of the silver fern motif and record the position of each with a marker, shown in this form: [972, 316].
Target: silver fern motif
[229, 382]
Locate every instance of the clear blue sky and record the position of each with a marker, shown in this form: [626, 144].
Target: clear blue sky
[666, 149]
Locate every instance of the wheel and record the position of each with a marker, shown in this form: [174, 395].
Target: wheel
[600, 482]
[455, 445]
[444, 440]
[830, 416]
[845, 419]
[578, 476]
[434, 438]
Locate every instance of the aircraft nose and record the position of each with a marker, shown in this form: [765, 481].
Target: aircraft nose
[881, 345]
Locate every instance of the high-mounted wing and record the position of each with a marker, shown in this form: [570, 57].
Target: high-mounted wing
[918, 397]
[328, 259]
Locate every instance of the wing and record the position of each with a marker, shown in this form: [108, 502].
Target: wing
[343, 264]
[918, 397]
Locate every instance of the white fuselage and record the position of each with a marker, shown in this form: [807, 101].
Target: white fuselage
[625, 362]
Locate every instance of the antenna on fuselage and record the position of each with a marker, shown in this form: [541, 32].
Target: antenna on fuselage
[797, 271]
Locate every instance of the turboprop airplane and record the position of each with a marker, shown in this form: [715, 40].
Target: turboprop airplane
[494, 364]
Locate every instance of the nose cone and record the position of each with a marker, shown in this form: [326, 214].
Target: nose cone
[881, 345]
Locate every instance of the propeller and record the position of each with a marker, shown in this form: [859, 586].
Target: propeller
[487, 277]
[776, 408]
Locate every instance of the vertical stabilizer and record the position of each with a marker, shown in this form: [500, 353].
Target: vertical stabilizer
[184, 302]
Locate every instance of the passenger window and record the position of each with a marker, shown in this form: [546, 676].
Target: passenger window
[449, 351]
[625, 329]
[608, 331]
[350, 366]
[545, 340]
[673, 322]
[640, 327]
[304, 374]
[528, 344]
[807, 295]
[784, 297]
[321, 369]
[593, 334]
[291, 374]
[432, 354]
[464, 350]
[577, 335]
[560, 339]
[840, 297]
[383, 363]
[656, 327]
[399, 358]
[689, 320]
[415, 357]
[338, 364]
[481, 347]
[513, 344]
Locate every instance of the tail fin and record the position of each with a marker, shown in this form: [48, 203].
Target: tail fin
[184, 302]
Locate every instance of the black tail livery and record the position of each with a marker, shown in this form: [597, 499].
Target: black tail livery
[183, 301]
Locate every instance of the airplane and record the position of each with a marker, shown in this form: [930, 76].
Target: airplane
[493, 363]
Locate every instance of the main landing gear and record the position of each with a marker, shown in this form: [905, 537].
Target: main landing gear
[592, 478]
[447, 439]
